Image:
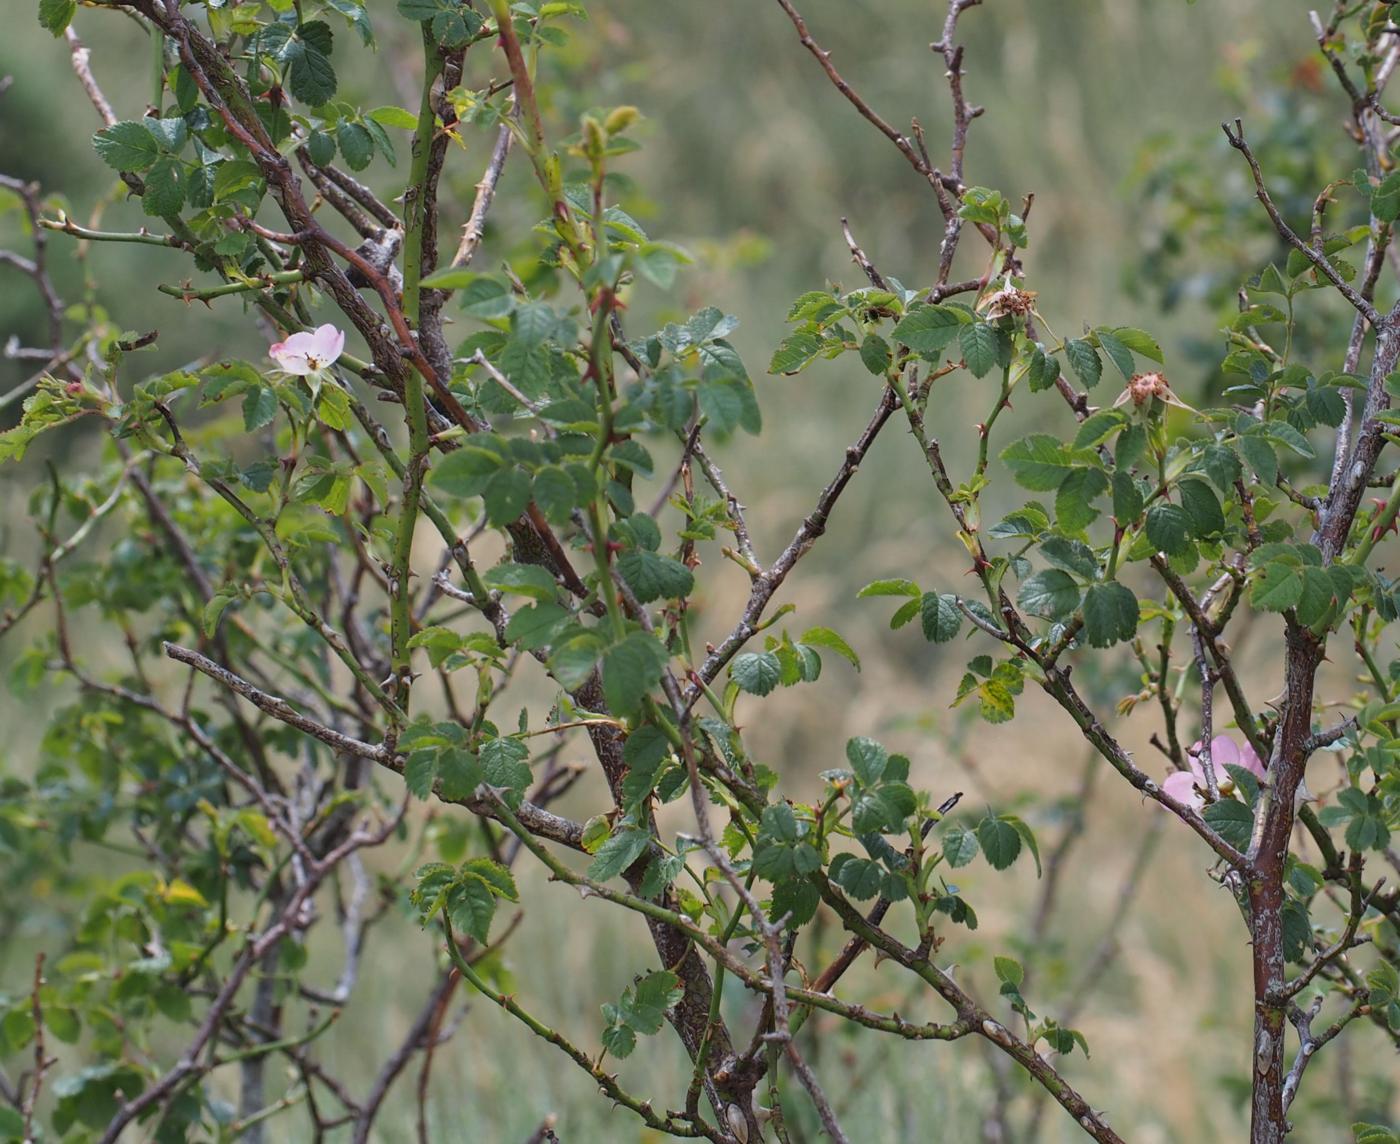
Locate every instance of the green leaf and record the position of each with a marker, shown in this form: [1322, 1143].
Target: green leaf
[928, 329]
[56, 15]
[644, 1004]
[1282, 433]
[1139, 341]
[875, 354]
[1009, 971]
[504, 763]
[631, 668]
[421, 10]
[1027, 836]
[659, 262]
[797, 351]
[825, 637]
[391, 116]
[213, 610]
[1317, 597]
[1232, 820]
[653, 577]
[728, 403]
[460, 772]
[470, 906]
[1261, 457]
[453, 28]
[1221, 465]
[1203, 508]
[1038, 462]
[524, 580]
[618, 853]
[497, 877]
[465, 471]
[959, 846]
[165, 187]
[1084, 360]
[999, 841]
[1074, 500]
[1132, 443]
[889, 588]
[127, 146]
[312, 78]
[980, 346]
[1110, 614]
[356, 144]
[259, 408]
[1385, 198]
[507, 495]
[1098, 427]
[940, 617]
[1073, 556]
[419, 771]
[756, 672]
[619, 1040]
[1117, 352]
[1169, 528]
[535, 626]
[779, 823]
[1277, 587]
[1051, 594]
[555, 492]
[859, 877]
[1127, 498]
[868, 759]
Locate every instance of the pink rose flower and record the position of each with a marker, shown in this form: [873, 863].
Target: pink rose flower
[1189, 787]
[306, 352]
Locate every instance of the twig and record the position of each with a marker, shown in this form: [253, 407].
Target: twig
[1320, 261]
[1310, 1043]
[475, 226]
[905, 147]
[80, 57]
[42, 1061]
[768, 582]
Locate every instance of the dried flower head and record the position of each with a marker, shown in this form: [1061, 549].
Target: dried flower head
[1008, 302]
[1143, 387]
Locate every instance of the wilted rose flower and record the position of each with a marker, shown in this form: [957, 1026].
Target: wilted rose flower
[305, 353]
[1143, 387]
[1189, 787]
[1008, 302]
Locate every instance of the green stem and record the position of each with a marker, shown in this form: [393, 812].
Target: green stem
[546, 165]
[1003, 402]
[157, 69]
[261, 282]
[401, 594]
[67, 226]
[262, 1048]
[1378, 525]
[597, 518]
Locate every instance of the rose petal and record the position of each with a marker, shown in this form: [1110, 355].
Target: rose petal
[1181, 785]
[1193, 758]
[1224, 752]
[329, 344]
[308, 351]
[1249, 759]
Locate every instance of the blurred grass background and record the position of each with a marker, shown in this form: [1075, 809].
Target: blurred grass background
[751, 159]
